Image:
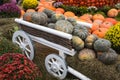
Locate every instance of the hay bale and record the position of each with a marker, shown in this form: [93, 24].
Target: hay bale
[95, 69]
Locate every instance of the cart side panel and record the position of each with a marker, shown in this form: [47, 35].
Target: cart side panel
[50, 37]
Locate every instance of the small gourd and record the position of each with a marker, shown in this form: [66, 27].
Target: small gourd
[27, 16]
[64, 25]
[80, 31]
[86, 55]
[112, 12]
[89, 41]
[39, 18]
[108, 57]
[77, 43]
[102, 45]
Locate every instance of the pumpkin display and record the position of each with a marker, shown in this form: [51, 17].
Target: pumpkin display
[72, 21]
[106, 24]
[80, 31]
[102, 45]
[86, 54]
[112, 12]
[89, 41]
[108, 57]
[77, 43]
[27, 16]
[64, 25]
[56, 17]
[100, 32]
[69, 14]
[39, 18]
[98, 16]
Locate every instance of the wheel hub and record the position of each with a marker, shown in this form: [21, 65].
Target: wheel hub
[55, 67]
[22, 46]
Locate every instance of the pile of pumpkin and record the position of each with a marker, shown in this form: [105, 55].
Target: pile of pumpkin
[84, 39]
[89, 42]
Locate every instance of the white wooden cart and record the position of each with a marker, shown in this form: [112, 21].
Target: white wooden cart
[55, 64]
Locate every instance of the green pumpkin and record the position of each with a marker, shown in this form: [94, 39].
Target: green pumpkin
[72, 21]
[80, 31]
[102, 45]
[39, 18]
[64, 26]
[108, 57]
[48, 12]
[56, 17]
[51, 25]
[77, 43]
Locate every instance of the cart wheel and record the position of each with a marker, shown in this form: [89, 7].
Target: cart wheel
[56, 66]
[23, 41]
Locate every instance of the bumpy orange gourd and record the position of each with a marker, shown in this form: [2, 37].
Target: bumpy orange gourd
[95, 26]
[60, 10]
[112, 12]
[100, 32]
[106, 24]
[112, 20]
[98, 16]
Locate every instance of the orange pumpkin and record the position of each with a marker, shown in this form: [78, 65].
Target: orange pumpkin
[30, 10]
[95, 26]
[60, 10]
[88, 15]
[100, 32]
[41, 9]
[69, 14]
[84, 17]
[98, 16]
[106, 24]
[22, 12]
[112, 20]
[112, 12]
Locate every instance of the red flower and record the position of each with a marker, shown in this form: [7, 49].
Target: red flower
[15, 66]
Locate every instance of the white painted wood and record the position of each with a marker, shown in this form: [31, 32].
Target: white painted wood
[43, 28]
[77, 74]
[88, 25]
